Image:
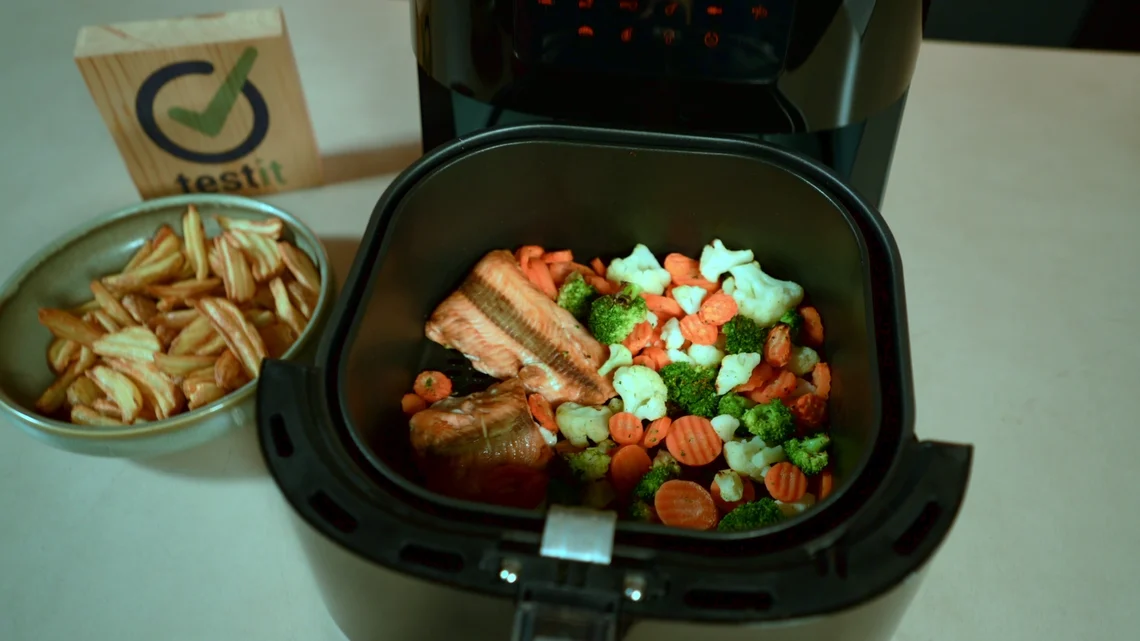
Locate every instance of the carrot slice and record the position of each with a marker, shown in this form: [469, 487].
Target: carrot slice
[718, 309]
[811, 333]
[645, 361]
[760, 377]
[538, 273]
[778, 347]
[560, 272]
[826, 481]
[727, 506]
[664, 307]
[785, 482]
[821, 379]
[412, 403]
[432, 386]
[526, 253]
[599, 267]
[780, 387]
[540, 410]
[656, 432]
[639, 338]
[627, 466]
[601, 284]
[561, 256]
[658, 354]
[693, 441]
[685, 504]
[809, 411]
[706, 285]
[697, 331]
[681, 267]
[625, 428]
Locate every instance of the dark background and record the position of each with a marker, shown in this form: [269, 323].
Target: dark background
[1082, 24]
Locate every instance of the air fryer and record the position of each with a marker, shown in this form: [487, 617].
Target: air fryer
[395, 561]
[826, 78]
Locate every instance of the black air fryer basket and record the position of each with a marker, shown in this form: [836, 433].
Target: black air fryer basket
[336, 441]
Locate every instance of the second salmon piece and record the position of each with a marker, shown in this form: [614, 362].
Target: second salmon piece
[506, 327]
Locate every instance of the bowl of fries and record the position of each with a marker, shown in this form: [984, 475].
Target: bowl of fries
[143, 332]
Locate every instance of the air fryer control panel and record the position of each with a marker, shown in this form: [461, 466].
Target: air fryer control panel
[732, 40]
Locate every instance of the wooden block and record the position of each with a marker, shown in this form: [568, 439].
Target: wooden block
[209, 103]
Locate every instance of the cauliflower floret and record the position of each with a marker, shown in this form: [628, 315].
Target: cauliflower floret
[678, 356]
[583, 423]
[791, 509]
[707, 355]
[769, 456]
[651, 318]
[736, 369]
[671, 334]
[689, 297]
[762, 298]
[615, 405]
[729, 285]
[803, 360]
[642, 269]
[642, 391]
[549, 437]
[730, 486]
[725, 426]
[620, 356]
[739, 455]
[716, 259]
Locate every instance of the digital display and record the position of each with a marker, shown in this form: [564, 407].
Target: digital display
[743, 40]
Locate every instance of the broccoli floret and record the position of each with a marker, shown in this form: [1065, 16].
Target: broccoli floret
[794, 320]
[647, 487]
[742, 335]
[751, 516]
[692, 388]
[773, 422]
[734, 405]
[613, 317]
[591, 463]
[575, 296]
[641, 511]
[808, 454]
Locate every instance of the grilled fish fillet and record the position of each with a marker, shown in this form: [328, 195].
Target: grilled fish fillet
[506, 327]
[483, 447]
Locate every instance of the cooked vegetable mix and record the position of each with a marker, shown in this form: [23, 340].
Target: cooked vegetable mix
[690, 392]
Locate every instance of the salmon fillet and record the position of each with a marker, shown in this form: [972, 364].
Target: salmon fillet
[483, 447]
[507, 327]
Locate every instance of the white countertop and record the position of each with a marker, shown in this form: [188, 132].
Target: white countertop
[1014, 201]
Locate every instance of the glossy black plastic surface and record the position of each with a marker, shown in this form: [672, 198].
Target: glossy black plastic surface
[336, 442]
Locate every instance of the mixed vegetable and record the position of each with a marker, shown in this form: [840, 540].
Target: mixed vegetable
[719, 415]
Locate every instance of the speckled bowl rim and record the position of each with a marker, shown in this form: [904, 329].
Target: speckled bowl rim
[189, 419]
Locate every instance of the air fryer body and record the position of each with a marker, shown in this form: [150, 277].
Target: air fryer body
[827, 79]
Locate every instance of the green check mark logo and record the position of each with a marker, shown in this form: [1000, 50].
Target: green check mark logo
[213, 118]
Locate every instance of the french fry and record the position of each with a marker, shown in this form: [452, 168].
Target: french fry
[187, 272]
[260, 317]
[184, 289]
[107, 408]
[302, 298]
[204, 394]
[111, 305]
[265, 261]
[170, 304]
[89, 306]
[161, 234]
[148, 273]
[278, 339]
[237, 276]
[133, 343]
[83, 391]
[141, 308]
[84, 415]
[53, 397]
[141, 254]
[60, 354]
[284, 307]
[120, 389]
[193, 336]
[263, 297]
[103, 319]
[214, 257]
[212, 347]
[65, 325]
[228, 374]
[175, 320]
[146, 414]
[166, 336]
[300, 266]
[194, 235]
[271, 227]
[159, 391]
[196, 379]
[164, 245]
[181, 366]
[240, 336]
